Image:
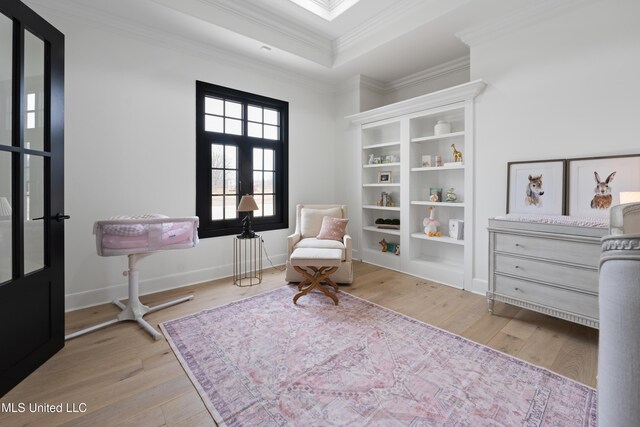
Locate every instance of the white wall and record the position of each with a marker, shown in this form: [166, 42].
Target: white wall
[347, 191]
[445, 80]
[130, 149]
[566, 87]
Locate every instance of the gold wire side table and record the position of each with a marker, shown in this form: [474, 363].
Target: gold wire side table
[247, 261]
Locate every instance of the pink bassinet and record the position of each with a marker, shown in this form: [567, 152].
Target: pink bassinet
[138, 237]
[144, 233]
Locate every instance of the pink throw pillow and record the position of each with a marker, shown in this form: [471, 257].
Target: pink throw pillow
[333, 228]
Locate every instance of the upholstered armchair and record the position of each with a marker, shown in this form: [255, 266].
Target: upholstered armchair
[625, 219]
[619, 301]
[308, 224]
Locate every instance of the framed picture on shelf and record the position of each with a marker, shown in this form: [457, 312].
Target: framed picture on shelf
[435, 194]
[595, 183]
[384, 177]
[536, 187]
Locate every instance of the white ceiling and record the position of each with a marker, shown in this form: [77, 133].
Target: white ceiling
[383, 39]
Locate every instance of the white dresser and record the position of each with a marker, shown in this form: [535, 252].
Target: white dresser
[548, 268]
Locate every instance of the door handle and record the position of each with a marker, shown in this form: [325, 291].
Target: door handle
[59, 217]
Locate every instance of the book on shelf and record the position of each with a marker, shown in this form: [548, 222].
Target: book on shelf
[456, 229]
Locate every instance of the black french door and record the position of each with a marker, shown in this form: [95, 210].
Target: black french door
[31, 192]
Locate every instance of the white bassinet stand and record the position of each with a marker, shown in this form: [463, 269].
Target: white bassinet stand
[138, 237]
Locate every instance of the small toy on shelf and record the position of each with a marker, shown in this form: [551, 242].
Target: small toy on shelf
[451, 196]
[457, 155]
[431, 225]
[389, 247]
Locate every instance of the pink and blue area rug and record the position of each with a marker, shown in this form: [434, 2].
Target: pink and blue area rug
[263, 361]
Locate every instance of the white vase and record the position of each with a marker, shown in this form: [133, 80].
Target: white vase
[442, 127]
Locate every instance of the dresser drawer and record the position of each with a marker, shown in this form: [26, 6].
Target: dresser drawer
[558, 250]
[585, 279]
[562, 299]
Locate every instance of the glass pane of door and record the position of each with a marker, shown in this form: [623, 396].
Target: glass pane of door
[34, 211]
[33, 92]
[6, 257]
[6, 52]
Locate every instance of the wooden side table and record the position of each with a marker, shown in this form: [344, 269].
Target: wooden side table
[247, 261]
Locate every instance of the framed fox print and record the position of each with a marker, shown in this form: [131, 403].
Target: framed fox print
[536, 187]
[595, 183]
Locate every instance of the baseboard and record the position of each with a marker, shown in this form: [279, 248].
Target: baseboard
[107, 294]
[479, 286]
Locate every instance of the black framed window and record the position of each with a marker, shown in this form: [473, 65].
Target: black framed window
[241, 148]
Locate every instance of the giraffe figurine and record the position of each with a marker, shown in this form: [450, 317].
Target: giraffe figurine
[457, 155]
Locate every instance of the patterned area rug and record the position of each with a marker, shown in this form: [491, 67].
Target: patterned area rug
[263, 361]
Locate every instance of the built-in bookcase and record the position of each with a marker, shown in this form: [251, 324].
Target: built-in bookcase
[395, 140]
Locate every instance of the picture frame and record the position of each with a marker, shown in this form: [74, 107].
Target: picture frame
[595, 183]
[437, 192]
[536, 187]
[384, 177]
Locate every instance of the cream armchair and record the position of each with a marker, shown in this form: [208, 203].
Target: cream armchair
[308, 224]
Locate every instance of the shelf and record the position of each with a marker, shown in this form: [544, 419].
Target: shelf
[382, 165]
[383, 259]
[384, 144]
[382, 208]
[388, 133]
[381, 230]
[441, 239]
[437, 168]
[391, 184]
[446, 204]
[438, 137]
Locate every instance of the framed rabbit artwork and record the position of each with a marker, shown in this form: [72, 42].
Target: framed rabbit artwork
[594, 184]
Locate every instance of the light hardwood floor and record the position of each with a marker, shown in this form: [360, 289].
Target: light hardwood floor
[126, 378]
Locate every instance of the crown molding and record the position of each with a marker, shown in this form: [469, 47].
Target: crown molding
[271, 22]
[462, 63]
[459, 64]
[373, 84]
[89, 16]
[531, 13]
[367, 29]
[463, 92]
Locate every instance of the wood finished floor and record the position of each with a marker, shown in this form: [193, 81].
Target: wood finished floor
[127, 379]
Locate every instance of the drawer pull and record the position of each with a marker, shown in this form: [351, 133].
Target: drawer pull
[517, 289]
[517, 266]
[517, 245]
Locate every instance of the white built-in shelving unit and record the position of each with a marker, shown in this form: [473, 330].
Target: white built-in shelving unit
[402, 133]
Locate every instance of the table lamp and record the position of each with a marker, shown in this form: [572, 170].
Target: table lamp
[5, 208]
[629, 197]
[247, 204]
